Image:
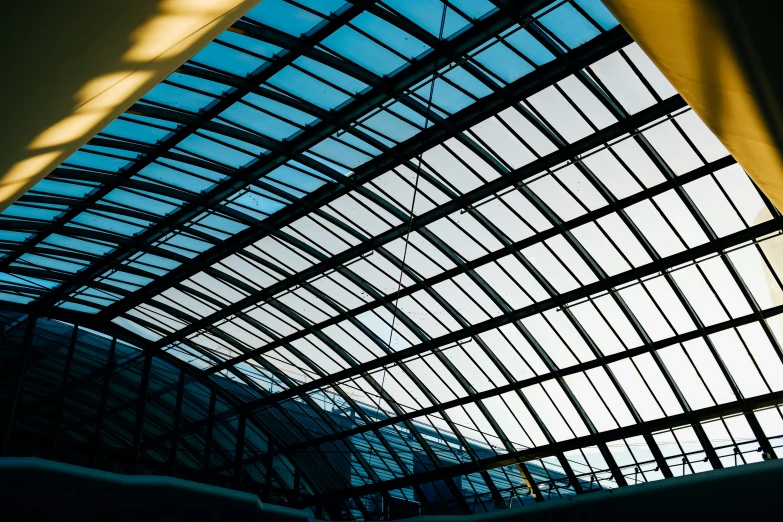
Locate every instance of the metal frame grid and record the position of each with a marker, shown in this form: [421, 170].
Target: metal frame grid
[591, 294]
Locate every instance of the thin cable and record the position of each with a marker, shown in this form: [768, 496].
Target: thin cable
[413, 202]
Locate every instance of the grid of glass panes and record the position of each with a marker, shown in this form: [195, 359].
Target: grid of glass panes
[675, 239]
[230, 111]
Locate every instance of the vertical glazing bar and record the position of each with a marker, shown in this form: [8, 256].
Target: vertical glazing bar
[63, 392]
[210, 431]
[295, 500]
[102, 406]
[758, 432]
[16, 390]
[141, 409]
[239, 456]
[175, 426]
[712, 456]
[617, 474]
[531, 484]
[569, 471]
[270, 460]
[658, 456]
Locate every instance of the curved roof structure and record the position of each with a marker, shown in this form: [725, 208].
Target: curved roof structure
[445, 256]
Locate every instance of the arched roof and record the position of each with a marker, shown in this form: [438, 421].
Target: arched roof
[585, 282]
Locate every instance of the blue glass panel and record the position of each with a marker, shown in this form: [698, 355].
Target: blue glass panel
[153, 121]
[139, 202]
[178, 98]
[48, 262]
[151, 260]
[257, 202]
[349, 83]
[467, 81]
[445, 96]
[250, 148]
[111, 150]
[79, 245]
[205, 173]
[101, 301]
[569, 26]
[214, 151]
[391, 35]
[338, 169]
[13, 235]
[220, 223]
[229, 60]
[408, 113]
[325, 7]
[106, 224]
[285, 17]
[14, 298]
[525, 43]
[80, 158]
[295, 194]
[340, 153]
[209, 87]
[358, 142]
[131, 279]
[428, 14]
[187, 242]
[63, 188]
[254, 45]
[296, 178]
[473, 8]
[391, 126]
[284, 111]
[175, 178]
[33, 282]
[23, 211]
[308, 88]
[363, 51]
[134, 131]
[598, 12]
[258, 121]
[78, 307]
[503, 62]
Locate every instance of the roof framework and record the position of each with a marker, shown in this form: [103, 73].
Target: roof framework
[586, 280]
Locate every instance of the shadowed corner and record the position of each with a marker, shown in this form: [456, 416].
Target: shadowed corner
[82, 64]
[720, 56]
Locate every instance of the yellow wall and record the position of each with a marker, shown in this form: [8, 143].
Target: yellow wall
[723, 57]
[69, 67]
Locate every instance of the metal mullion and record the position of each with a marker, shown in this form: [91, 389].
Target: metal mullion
[18, 382]
[758, 432]
[176, 424]
[140, 412]
[110, 369]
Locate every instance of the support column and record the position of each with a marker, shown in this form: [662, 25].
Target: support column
[63, 393]
[175, 427]
[239, 456]
[141, 409]
[16, 389]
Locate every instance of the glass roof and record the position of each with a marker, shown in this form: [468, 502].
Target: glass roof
[487, 233]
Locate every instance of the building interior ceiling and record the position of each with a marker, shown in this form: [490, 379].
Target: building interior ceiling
[378, 259]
